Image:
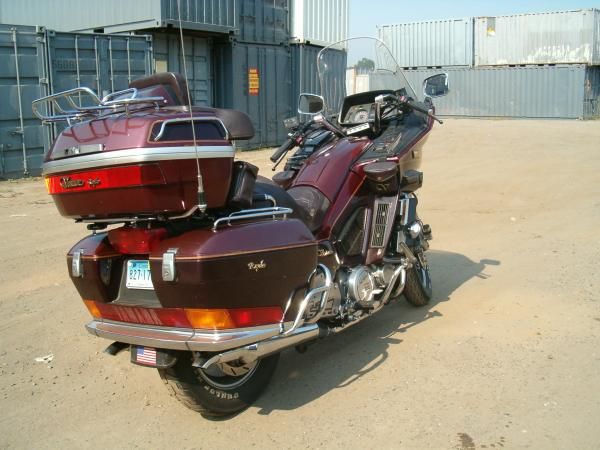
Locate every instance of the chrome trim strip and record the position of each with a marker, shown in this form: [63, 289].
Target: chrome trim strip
[134, 156]
[180, 339]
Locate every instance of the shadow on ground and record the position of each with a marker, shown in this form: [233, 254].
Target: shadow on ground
[340, 360]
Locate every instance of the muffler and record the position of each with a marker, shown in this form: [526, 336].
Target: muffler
[252, 352]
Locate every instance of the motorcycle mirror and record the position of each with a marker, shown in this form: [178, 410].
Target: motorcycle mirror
[436, 85]
[310, 104]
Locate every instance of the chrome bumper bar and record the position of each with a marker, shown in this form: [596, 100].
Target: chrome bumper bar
[181, 339]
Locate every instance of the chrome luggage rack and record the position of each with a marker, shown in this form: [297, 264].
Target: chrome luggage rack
[114, 102]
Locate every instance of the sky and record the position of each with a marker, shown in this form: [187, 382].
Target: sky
[365, 15]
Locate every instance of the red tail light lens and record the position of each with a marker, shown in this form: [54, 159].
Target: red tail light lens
[208, 319]
[135, 241]
[108, 178]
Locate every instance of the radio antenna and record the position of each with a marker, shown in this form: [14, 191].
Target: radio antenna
[201, 197]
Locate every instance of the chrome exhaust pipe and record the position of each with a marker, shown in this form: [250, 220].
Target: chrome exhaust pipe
[265, 348]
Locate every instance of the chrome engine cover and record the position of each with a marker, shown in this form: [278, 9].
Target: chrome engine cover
[361, 286]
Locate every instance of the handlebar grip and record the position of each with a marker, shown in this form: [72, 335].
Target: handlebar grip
[428, 112]
[288, 144]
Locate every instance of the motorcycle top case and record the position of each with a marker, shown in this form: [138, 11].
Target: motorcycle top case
[133, 166]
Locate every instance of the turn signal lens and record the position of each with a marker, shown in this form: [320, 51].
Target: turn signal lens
[210, 319]
[94, 311]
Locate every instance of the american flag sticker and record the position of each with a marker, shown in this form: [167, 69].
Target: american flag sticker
[145, 355]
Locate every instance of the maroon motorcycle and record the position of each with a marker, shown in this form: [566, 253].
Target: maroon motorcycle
[205, 270]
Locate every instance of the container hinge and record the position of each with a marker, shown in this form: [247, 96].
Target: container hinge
[168, 265]
[77, 264]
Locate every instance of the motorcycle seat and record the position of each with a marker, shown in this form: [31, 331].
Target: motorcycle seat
[308, 204]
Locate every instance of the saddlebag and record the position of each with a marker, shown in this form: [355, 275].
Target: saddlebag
[245, 265]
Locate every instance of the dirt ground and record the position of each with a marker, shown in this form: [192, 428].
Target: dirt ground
[506, 355]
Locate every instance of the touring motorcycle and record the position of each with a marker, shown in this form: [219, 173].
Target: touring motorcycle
[205, 270]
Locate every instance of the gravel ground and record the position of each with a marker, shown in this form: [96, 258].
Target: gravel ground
[506, 355]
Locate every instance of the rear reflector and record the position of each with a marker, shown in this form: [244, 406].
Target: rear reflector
[108, 178]
[135, 241]
[208, 319]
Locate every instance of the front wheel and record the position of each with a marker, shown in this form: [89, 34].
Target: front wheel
[418, 288]
[222, 389]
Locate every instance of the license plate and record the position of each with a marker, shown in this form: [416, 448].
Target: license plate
[138, 275]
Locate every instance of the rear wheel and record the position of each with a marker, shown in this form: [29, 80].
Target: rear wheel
[418, 288]
[222, 389]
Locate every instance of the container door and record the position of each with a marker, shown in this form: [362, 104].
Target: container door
[24, 79]
[198, 56]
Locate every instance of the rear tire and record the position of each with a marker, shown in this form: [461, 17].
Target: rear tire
[418, 289]
[215, 394]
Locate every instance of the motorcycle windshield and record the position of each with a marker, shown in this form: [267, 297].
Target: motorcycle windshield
[357, 65]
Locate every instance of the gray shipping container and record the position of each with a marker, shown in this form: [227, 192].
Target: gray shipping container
[319, 22]
[430, 44]
[23, 78]
[542, 38]
[256, 79]
[117, 16]
[560, 92]
[47, 62]
[305, 78]
[198, 55]
[259, 21]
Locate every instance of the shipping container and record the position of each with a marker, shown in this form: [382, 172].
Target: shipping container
[23, 78]
[39, 62]
[255, 79]
[319, 22]
[198, 55]
[117, 16]
[559, 92]
[430, 44]
[305, 77]
[542, 38]
[263, 22]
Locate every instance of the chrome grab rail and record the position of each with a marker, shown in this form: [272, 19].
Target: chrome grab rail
[246, 214]
[187, 120]
[82, 112]
[322, 290]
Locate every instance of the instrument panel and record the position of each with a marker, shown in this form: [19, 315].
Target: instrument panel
[358, 113]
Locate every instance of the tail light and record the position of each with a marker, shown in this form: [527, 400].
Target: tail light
[107, 178]
[208, 319]
[135, 241]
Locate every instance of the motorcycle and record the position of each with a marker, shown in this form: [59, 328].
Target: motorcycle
[206, 271]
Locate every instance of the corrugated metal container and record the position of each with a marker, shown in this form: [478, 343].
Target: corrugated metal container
[47, 62]
[264, 22]
[305, 78]
[541, 38]
[565, 92]
[256, 79]
[116, 16]
[430, 44]
[319, 22]
[23, 78]
[198, 53]
[104, 63]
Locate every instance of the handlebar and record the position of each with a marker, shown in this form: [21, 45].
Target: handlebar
[285, 147]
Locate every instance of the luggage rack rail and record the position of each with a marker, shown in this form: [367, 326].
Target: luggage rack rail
[108, 104]
[253, 214]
